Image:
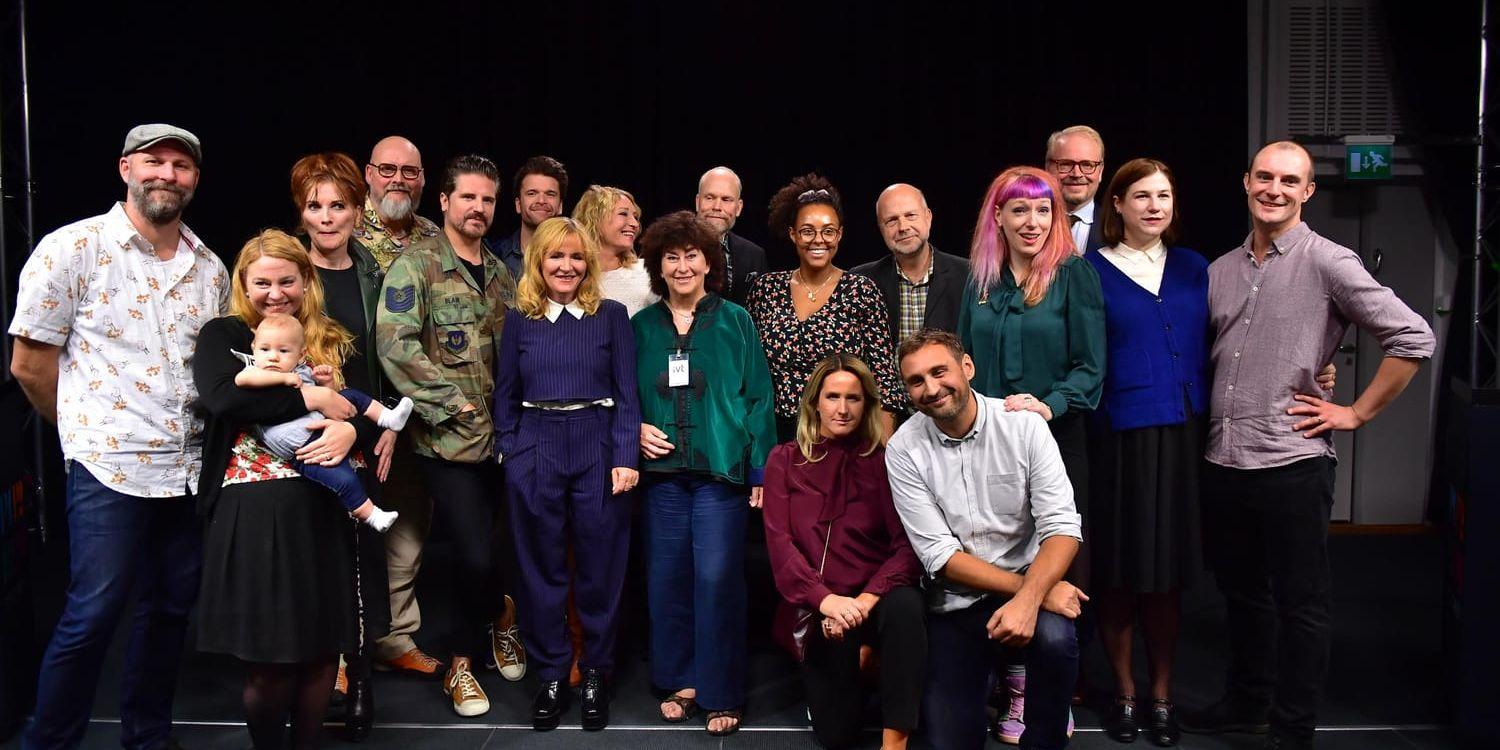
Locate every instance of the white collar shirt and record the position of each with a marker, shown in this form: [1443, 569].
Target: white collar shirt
[554, 310]
[128, 324]
[1144, 267]
[996, 494]
[1085, 214]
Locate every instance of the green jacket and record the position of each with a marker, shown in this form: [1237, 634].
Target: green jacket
[437, 334]
[721, 422]
[1055, 351]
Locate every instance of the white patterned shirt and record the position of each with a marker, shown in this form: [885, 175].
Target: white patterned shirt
[127, 323]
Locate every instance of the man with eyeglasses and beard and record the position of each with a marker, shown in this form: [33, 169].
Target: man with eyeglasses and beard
[106, 321]
[390, 228]
[391, 223]
[1076, 155]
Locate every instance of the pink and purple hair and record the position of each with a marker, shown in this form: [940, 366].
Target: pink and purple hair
[989, 254]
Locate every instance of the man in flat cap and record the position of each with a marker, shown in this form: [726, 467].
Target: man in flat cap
[106, 322]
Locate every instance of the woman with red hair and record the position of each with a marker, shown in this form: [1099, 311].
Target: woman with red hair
[1032, 318]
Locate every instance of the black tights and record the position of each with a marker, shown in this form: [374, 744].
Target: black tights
[274, 691]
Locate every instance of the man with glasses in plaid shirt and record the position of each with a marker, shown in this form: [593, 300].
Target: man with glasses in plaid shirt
[1076, 155]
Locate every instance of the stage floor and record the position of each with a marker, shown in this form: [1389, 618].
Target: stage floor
[1386, 688]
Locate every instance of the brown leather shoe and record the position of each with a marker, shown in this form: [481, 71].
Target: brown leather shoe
[414, 661]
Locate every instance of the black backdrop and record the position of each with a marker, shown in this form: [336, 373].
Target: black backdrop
[643, 96]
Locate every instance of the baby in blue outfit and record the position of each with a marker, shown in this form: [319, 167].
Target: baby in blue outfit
[278, 358]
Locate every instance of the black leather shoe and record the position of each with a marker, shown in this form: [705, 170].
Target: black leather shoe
[1120, 724]
[1228, 715]
[595, 699]
[359, 708]
[548, 706]
[1161, 724]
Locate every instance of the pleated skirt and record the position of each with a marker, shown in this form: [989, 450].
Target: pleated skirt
[278, 576]
[1145, 525]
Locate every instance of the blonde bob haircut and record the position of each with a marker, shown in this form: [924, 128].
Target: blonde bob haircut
[326, 341]
[808, 421]
[531, 292]
[595, 205]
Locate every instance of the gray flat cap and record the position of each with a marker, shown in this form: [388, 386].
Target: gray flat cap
[145, 136]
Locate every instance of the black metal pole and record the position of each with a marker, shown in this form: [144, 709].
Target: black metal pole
[1480, 347]
[40, 425]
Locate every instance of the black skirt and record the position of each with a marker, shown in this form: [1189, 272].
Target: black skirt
[277, 573]
[1145, 529]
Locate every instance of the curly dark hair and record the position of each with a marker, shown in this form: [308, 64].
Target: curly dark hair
[680, 230]
[811, 188]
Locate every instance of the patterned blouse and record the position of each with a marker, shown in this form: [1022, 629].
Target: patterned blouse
[854, 320]
[249, 461]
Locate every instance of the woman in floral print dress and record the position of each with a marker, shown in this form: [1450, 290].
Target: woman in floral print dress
[816, 310]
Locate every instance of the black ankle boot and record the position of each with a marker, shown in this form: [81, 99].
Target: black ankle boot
[1161, 724]
[595, 696]
[1120, 724]
[359, 703]
[548, 706]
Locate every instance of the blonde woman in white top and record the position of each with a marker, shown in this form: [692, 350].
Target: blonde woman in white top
[614, 218]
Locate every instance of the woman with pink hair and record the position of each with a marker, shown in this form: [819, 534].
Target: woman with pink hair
[1032, 318]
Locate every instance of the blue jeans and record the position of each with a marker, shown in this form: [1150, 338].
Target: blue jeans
[961, 659]
[695, 579]
[118, 543]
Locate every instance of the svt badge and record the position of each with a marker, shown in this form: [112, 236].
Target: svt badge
[457, 340]
[400, 300]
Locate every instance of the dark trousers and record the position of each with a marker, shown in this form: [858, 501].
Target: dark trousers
[119, 544]
[464, 498]
[1268, 536]
[558, 477]
[898, 632]
[961, 661]
[695, 579]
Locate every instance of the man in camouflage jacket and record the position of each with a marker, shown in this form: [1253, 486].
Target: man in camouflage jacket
[438, 327]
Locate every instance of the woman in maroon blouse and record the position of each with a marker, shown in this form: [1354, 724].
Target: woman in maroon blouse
[838, 550]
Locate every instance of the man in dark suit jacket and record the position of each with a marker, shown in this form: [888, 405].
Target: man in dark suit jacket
[1076, 156]
[719, 204]
[929, 284]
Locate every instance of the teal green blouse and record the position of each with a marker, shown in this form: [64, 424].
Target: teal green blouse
[720, 422]
[1053, 351]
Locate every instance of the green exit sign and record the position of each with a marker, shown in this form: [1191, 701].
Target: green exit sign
[1367, 161]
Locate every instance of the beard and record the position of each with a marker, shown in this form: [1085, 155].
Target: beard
[397, 205]
[462, 227]
[955, 406]
[158, 201]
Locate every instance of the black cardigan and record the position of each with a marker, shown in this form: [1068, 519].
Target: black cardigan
[227, 408]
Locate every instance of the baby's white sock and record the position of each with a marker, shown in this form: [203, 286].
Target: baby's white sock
[394, 418]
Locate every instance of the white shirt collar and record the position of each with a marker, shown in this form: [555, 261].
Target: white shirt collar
[1153, 253]
[1085, 213]
[554, 310]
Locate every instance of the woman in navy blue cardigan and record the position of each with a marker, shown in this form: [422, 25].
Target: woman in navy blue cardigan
[1147, 437]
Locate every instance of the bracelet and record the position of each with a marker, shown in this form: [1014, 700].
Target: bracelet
[1362, 418]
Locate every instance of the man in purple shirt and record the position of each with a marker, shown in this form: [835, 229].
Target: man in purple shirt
[1279, 305]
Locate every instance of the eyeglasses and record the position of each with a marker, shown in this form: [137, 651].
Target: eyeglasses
[1064, 166]
[808, 234]
[390, 170]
